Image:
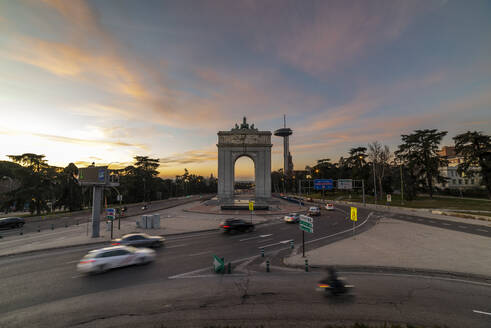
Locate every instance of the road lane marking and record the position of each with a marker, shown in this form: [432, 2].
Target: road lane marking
[482, 230]
[278, 243]
[261, 236]
[77, 276]
[200, 253]
[71, 262]
[265, 240]
[481, 312]
[462, 227]
[447, 224]
[175, 246]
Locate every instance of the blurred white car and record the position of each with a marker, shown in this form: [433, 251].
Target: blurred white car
[104, 259]
[314, 211]
[330, 207]
[292, 218]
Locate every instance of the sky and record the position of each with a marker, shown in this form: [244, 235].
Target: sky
[104, 81]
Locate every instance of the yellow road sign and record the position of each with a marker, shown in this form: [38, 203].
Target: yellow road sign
[251, 206]
[354, 214]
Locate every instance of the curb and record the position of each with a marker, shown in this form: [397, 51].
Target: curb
[399, 270]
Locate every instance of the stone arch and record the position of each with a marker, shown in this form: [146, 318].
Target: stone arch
[244, 142]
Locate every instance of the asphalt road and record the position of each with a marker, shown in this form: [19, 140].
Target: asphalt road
[44, 289]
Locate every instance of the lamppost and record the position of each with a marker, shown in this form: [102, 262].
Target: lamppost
[374, 183]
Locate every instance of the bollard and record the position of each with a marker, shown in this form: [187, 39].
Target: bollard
[267, 265]
[262, 252]
[292, 244]
[229, 268]
[52, 226]
[39, 228]
[66, 225]
[21, 231]
[306, 265]
[77, 222]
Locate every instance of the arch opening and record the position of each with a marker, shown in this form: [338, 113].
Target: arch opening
[244, 177]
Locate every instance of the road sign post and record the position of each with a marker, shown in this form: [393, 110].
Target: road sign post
[111, 215]
[306, 224]
[251, 208]
[218, 264]
[354, 217]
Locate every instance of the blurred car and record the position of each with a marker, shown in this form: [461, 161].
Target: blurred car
[329, 207]
[101, 260]
[233, 225]
[292, 218]
[314, 211]
[9, 223]
[139, 240]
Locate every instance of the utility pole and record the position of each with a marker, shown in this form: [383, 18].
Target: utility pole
[363, 190]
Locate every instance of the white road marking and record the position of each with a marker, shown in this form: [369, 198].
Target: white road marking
[71, 262]
[77, 276]
[462, 227]
[175, 246]
[481, 312]
[200, 253]
[278, 243]
[447, 224]
[482, 230]
[169, 239]
[261, 236]
[265, 240]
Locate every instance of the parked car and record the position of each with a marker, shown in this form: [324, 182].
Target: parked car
[292, 218]
[9, 223]
[233, 225]
[139, 240]
[314, 211]
[101, 260]
[329, 207]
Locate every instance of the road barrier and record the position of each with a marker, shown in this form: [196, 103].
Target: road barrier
[292, 244]
[39, 228]
[267, 266]
[306, 265]
[262, 252]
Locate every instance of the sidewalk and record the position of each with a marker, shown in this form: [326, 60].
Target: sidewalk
[172, 221]
[408, 246]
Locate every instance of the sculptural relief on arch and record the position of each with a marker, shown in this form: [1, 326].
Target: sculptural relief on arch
[244, 140]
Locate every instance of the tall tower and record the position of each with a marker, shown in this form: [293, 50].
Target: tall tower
[287, 158]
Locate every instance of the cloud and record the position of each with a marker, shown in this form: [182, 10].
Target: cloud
[333, 33]
[71, 140]
[189, 157]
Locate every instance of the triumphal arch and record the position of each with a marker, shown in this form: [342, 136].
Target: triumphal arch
[244, 140]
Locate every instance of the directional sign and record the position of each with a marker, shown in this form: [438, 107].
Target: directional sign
[111, 213]
[218, 264]
[354, 214]
[251, 205]
[323, 184]
[306, 223]
[345, 184]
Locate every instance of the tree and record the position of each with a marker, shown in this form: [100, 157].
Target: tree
[69, 193]
[356, 162]
[419, 154]
[146, 169]
[380, 156]
[475, 148]
[37, 179]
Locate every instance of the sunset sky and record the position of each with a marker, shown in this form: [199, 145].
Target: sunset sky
[104, 81]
